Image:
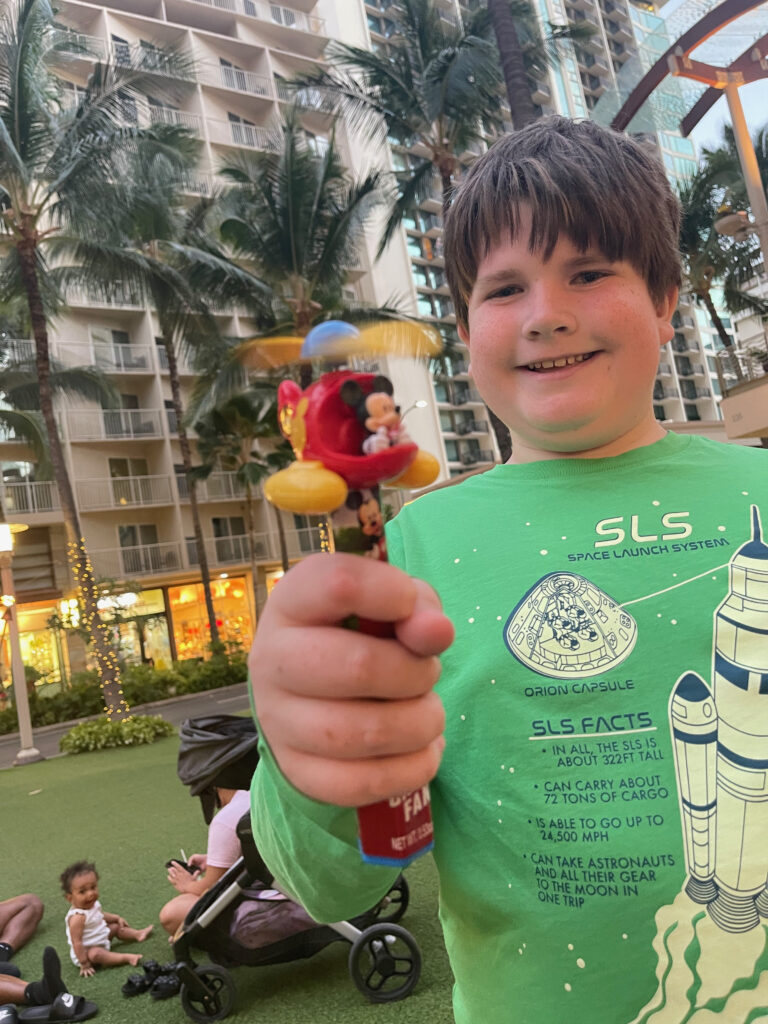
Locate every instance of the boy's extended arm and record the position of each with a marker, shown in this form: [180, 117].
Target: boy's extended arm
[346, 719]
[311, 848]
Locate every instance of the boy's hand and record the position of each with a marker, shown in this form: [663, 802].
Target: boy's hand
[351, 719]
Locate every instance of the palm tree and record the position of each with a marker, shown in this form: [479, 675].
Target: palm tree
[61, 177]
[294, 219]
[525, 53]
[712, 262]
[164, 251]
[228, 437]
[438, 87]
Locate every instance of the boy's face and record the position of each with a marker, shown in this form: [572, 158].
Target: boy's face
[565, 351]
[84, 890]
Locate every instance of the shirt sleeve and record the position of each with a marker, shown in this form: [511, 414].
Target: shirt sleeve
[223, 844]
[311, 848]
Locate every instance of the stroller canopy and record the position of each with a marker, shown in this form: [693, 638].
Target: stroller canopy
[216, 750]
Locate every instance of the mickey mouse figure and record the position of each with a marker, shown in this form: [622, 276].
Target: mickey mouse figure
[377, 412]
[366, 505]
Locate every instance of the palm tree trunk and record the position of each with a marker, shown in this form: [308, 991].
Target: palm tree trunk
[284, 561]
[722, 333]
[521, 105]
[252, 549]
[115, 704]
[186, 458]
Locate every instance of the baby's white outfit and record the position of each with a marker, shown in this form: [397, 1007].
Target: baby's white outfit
[95, 932]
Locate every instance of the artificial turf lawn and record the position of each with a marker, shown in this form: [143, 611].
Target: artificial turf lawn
[127, 811]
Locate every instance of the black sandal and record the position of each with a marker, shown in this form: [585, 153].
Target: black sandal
[165, 986]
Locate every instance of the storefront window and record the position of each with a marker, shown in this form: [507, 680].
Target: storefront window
[190, 621]
[41, 648]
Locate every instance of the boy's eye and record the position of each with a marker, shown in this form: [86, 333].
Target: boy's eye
[589, 276]
[504, 291]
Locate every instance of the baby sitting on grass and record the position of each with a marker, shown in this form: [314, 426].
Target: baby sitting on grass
[90, 929]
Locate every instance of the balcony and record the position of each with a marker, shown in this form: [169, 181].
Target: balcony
[78, 44]
[683, 323]
[181, 363]
[476, 456]
[230, 550]
[237, 78]
[142, 560]
[29, 497]
[123, 492]
[541, 93]
[152, 60]
[113, 424]
[471, 427]
[463, 397]
[117, 295]
[111, 358]
[156, 113]
[285, 17]
[235, 133]
[218, 487]
[306, 99]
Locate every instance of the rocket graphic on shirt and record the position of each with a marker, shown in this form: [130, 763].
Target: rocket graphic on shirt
[720, 740]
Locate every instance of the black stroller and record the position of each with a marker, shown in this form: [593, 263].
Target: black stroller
[384, 961]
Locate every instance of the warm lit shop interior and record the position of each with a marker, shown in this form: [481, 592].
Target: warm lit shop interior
[152, 627]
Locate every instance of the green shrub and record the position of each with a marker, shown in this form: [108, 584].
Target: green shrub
[102, 733]
[142, 684]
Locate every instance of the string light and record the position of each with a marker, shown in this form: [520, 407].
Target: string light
[115, 704]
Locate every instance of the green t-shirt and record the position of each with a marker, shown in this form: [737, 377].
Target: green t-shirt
[601, 812]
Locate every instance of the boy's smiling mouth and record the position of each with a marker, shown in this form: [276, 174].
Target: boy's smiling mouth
[558, 363]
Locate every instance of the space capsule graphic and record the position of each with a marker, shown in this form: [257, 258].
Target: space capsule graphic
[720, 740]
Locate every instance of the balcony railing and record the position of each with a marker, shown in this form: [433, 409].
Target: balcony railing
[111, 358]
[471, 427]
[117, 295]
[124, 492]
[235, 133]
[285, 16]
[218, 487]
[181, 362]
[238, 78]
[475, 456]
[151, 59]
[141, 560]
[230, 550]
[113, 424]
[81, 45]
[29, 497]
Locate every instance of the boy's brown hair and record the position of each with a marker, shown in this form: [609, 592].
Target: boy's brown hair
[597, 186]
[80, 867]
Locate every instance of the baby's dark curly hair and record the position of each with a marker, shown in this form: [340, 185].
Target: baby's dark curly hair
[80, 867]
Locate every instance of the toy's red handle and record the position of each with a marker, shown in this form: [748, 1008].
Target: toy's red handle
[394, 832]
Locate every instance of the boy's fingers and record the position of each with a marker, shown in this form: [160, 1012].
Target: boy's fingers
[351, 730]
[309, 662]
[324, 590]
[357, 783]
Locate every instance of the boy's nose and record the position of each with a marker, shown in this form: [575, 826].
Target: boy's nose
[547, 316]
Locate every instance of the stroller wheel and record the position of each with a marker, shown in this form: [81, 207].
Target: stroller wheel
[211, 996]
[395, 903]
[385, 963]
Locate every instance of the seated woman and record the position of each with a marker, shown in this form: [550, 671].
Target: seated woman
[223, 851]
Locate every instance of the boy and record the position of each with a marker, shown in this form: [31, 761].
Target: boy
[601, 814]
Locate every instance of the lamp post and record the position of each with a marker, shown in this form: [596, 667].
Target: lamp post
[28, 752]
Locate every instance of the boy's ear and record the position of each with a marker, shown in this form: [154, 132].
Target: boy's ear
[463, 333]
[665, 311]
